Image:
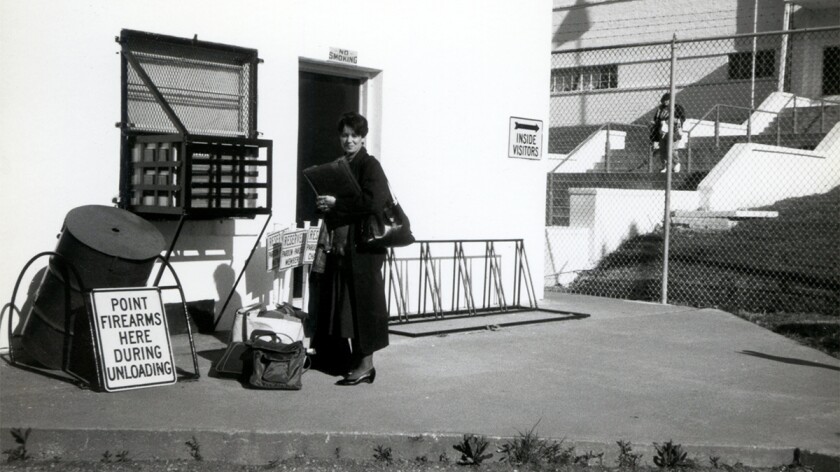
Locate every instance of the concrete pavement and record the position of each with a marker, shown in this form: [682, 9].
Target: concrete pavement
[632, 371]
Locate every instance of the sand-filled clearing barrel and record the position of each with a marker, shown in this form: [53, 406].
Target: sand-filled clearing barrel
[108, 248]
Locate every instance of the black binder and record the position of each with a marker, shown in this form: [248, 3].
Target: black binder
[333, 178]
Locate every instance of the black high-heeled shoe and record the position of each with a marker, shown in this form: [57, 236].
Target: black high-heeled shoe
[367, 377]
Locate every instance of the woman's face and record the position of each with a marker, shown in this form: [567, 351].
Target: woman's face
[350, 141]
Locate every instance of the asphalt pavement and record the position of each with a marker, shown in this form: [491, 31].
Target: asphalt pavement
[631, 371]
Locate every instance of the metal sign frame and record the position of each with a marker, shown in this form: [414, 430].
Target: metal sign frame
[96, 383]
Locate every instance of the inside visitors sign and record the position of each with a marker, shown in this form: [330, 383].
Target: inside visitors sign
[525, 138]
[132, 338]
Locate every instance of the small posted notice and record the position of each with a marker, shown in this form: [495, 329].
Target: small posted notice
[311, 245]
[132, 338]
[291, 252]
[525, 139]
[273, 245]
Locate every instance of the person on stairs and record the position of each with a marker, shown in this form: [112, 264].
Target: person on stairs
[659, 133]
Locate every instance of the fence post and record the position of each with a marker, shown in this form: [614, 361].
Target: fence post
[783, 49]
[670, 143]
[717, 125]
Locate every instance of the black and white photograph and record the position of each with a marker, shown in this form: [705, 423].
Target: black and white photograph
[441, 235]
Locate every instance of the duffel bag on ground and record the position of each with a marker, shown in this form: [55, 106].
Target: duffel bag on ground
[276, 365]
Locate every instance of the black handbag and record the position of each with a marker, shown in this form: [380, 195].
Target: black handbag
[388, 228]
[276, 365]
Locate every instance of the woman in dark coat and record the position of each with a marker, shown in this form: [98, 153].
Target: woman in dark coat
[352, 296]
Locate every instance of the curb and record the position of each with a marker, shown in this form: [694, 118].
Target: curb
[262, 447]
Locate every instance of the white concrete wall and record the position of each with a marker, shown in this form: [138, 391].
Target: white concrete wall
[643, 72]
[454, 71]
[616, 214]
[600, 220]
[580, 23]
[566, 254]
[753, 175]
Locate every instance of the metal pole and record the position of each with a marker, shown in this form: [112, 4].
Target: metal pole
[752, 75]
[667, 220]
[241, 273]
[783, 52]
[170, 249]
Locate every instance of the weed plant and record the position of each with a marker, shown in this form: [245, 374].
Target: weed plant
[383, 454]
[472, 449]
[627, 459]
[121, 456]
[195, 449]
[529, 449]
[19, 452]
[670, 456]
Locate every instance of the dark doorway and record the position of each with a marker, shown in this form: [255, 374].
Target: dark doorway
[321, 101]
[831, 71]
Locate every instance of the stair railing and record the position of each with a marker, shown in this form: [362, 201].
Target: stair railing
[823, 101]
[716, 109]
[607, 147]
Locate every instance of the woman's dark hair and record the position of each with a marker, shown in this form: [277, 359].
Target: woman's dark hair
[355, 121]
[665, 96]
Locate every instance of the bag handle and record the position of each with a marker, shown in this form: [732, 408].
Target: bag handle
[274, 337]
[271, 334]
[393, 195]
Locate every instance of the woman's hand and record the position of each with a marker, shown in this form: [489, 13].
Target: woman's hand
[325, 203]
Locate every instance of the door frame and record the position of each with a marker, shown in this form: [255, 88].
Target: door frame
[370, 94]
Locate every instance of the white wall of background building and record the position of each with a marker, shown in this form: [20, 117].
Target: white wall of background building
[454, 71]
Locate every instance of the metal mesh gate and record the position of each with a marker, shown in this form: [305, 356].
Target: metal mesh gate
[209, 87]
[754, 201]
[208, 97]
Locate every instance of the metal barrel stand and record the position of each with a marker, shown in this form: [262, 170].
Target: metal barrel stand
[84, 380]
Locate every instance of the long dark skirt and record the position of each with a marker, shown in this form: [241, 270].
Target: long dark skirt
[348, 303]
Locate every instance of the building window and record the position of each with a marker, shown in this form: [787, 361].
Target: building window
[575, 79]
[831, 71]
[740, 64]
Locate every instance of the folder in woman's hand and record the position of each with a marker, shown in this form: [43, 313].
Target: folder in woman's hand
[333, 178]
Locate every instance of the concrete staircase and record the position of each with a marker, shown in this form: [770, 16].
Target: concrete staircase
[634, 157]
[629, 166]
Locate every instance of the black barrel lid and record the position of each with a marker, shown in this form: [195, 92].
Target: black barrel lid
[115, 232]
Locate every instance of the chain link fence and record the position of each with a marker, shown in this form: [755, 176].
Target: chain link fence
[753, 196]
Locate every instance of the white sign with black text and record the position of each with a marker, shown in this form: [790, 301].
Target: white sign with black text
[132, 338]
[311, 245]
[291, 251]
[526, 137]
[273, 246]
[344, 55]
